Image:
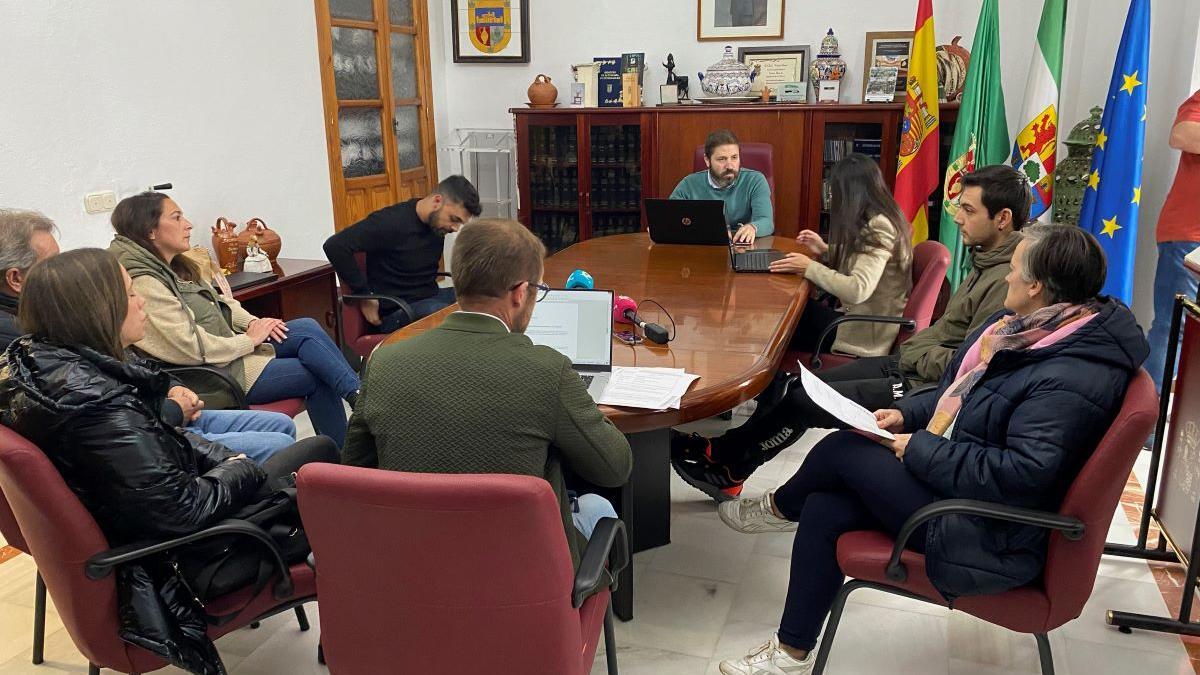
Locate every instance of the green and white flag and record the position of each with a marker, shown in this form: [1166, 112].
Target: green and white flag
[1035, 150]
[980, 134]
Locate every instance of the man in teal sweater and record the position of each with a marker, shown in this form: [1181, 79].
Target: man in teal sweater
[746, 193]
[475, 395]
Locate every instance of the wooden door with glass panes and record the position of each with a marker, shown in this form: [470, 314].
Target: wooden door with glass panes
[378, 103]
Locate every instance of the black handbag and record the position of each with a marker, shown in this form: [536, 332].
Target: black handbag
[222, 565]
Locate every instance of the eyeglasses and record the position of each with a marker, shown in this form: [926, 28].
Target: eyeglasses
[543, 289]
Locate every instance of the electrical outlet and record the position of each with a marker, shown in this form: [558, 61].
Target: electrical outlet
[99, 202]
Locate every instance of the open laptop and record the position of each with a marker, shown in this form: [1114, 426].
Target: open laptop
[744, 259]
[687, 221]
[702, 221]
[578, 323]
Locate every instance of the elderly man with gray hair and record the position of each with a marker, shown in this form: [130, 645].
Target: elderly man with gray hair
[26, 237]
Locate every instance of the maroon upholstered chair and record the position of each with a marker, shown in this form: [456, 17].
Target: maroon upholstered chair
[214, 379]
[12, 534]
[76, 562]
[1078, 529]
[409, 561]
[929, 264]
[353, 330]
[757, 156]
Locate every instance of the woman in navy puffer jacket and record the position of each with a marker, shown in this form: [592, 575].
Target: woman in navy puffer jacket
[1020, 409]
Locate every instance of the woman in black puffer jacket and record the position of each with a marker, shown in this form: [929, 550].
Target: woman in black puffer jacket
[71, 388]
[1018, 412]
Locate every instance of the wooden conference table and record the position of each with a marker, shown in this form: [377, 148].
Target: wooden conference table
[731, 329]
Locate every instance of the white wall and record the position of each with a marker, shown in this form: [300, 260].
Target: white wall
[563, 33]
[221, 97]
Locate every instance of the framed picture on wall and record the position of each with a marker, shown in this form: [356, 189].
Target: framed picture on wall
[776, 65]
[739, 19]
[490, 31]
[888, 49]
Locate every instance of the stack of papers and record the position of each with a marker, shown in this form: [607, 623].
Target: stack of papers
[652, 388]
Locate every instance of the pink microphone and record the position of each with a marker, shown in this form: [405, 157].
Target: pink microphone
[624, 309]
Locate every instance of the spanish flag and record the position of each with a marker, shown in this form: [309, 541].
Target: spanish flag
[917, 170]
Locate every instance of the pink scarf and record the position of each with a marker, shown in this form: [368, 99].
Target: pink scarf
[1035, 330]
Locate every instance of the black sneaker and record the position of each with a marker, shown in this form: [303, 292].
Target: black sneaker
[691, 458]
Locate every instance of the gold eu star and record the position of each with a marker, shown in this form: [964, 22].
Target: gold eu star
[1101, 139]
[1137, 196]
[1094, 179]
[1110, 227]
[1131, 83]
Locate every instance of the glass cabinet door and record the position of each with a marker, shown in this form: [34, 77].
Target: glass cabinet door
[614, 194]
[554, 185]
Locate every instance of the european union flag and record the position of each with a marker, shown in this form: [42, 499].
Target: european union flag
[1114, 190]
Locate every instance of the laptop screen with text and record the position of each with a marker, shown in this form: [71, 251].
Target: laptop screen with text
[577, 323]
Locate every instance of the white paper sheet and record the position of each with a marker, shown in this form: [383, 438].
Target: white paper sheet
[650, 388]
[839, 406]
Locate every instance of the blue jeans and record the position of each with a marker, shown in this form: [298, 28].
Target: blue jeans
[257, 433]
[420, 309]
[1170, 278]
[587, 510]
[307, 364]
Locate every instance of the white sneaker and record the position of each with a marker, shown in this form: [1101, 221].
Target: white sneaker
[769, 659]
[753, 515]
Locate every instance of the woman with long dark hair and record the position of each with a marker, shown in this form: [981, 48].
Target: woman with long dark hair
[191, 323]
[866, 264]
[73, 388]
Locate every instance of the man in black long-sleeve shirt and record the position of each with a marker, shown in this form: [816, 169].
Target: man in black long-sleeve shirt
[402, 244]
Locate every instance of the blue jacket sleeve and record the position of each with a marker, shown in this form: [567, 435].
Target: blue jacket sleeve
[1024, 471]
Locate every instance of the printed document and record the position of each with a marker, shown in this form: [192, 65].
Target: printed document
[650, 388]
[839, 406]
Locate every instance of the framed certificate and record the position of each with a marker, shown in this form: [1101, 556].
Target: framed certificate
[776, 65]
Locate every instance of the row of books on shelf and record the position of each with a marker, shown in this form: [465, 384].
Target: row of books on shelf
[610, 145]
[836, 149]
[554, 188]
[616, 189]
[609, 81]
[610, 189]
[556, 230]
[604, 225]
[616, 145]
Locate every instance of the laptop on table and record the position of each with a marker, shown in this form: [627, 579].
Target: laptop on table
[578, 323]
[702, 221]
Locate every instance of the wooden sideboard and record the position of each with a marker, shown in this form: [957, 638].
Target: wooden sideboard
[304, 288]
[583, 172]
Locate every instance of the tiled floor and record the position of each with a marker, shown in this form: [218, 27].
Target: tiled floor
[712, 594]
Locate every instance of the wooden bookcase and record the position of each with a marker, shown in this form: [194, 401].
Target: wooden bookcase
[583, 172]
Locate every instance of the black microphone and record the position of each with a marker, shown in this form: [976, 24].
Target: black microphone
[625, 311]
[161, 186]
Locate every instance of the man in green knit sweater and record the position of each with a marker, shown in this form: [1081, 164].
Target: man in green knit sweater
[475, 395]
[746, 193]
